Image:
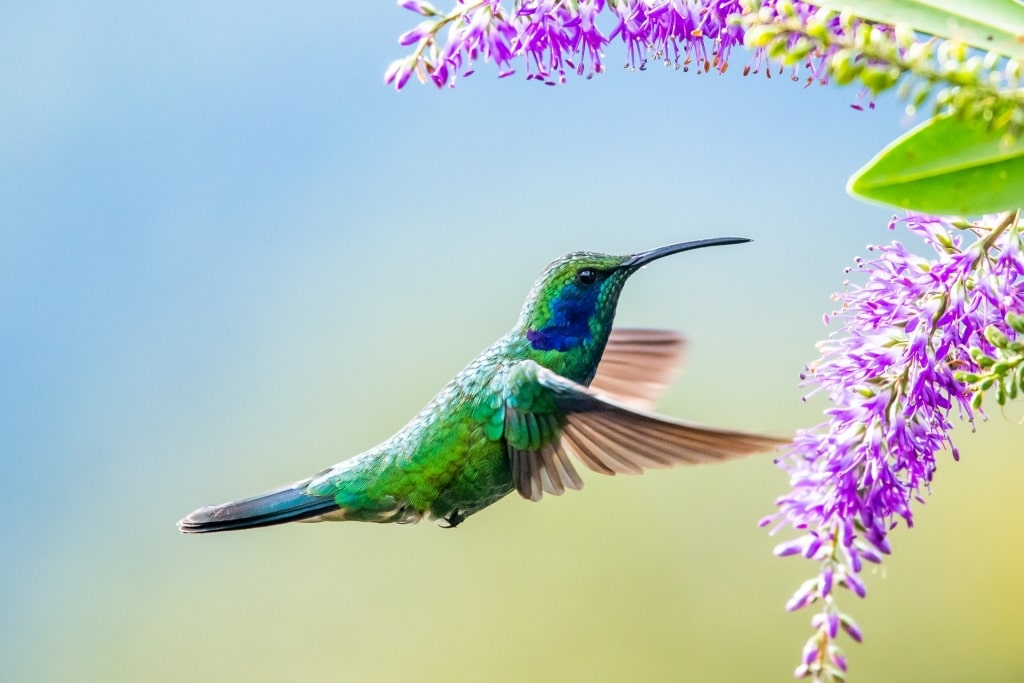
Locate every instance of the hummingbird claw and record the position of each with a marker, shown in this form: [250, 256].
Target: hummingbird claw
[454, 519]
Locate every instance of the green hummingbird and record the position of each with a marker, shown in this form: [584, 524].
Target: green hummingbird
[562, 387]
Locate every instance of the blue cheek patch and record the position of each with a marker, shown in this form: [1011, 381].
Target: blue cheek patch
[569, 325]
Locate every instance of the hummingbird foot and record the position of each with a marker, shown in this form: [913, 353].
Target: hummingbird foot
[454, 519]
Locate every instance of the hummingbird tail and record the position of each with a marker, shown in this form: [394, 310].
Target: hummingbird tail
[287, 504]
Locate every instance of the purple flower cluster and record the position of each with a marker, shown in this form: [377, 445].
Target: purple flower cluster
[555, 37]
[889, 374]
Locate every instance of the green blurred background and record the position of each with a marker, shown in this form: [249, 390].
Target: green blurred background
[229, 256]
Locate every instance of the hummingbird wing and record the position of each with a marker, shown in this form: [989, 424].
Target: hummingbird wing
[637, 365]
[550, 419]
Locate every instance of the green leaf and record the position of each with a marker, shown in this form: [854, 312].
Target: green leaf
[946, 166]
[993, 25]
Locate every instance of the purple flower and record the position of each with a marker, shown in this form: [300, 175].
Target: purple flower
[418, 6]
[678, 32]
[890, 376]
[555, 37]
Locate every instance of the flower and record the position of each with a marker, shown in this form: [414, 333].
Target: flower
[556, 37]
[891, 376]
[678, 32]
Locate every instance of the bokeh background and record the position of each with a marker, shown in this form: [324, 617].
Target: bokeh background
[230, 256]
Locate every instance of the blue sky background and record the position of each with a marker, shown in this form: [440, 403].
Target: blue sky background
[230, 256]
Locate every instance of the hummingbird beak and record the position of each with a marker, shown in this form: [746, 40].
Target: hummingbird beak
[644, 257]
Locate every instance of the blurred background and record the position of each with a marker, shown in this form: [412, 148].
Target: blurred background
[230, 256]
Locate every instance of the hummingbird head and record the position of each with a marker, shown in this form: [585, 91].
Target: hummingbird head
[572, 305]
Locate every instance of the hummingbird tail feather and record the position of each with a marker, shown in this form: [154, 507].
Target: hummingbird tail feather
[287, 504]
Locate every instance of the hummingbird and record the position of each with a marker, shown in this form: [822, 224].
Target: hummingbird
[561, 388]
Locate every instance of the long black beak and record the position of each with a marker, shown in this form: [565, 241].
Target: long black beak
[644, 257]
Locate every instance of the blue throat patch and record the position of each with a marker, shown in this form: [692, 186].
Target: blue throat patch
[569, 325]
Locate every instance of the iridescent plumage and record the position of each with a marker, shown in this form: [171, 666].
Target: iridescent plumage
[560, 388]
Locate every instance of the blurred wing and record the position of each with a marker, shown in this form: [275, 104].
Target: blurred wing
[637, 365]
[550, 420]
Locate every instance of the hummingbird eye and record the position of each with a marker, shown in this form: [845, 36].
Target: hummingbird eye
[586, 276]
